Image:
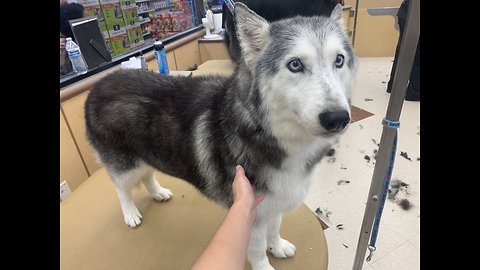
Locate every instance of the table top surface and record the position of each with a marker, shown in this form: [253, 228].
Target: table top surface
[172, 234]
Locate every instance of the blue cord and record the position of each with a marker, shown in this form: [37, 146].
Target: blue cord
[386, 183]
[230, 5]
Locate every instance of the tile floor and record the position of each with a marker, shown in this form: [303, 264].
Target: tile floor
[398, 242]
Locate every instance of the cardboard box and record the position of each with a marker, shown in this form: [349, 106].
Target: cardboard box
[109, 46]
[120, 44]
[130, 17]
[113, 17]
[135, 36]
[94, 11]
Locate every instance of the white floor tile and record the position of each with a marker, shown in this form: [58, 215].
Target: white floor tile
[340, 206]
[339, 256]
[399, 236]
[407, 256]
[405, 223]
[415, 241]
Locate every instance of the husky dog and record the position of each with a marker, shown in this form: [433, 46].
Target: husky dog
[277, 116]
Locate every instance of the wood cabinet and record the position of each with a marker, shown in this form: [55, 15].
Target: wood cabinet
[75, 117]
[187, 55]
[72, 168]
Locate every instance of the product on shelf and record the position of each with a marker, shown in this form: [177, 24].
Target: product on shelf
[109, 45]
[123, 30]
[113, 16]
[93, 8]
[120, 44]
[130, 17]
[135, 36]
[128, 4]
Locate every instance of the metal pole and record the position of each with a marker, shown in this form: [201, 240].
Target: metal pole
[406, 55]
[355, 23]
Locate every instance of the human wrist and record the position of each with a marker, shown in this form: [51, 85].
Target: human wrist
[245, 209]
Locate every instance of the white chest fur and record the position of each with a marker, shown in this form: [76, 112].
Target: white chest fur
[289, 184]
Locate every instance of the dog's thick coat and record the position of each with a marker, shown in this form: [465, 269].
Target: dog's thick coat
[285, 105]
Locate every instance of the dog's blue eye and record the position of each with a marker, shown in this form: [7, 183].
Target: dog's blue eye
[339, 61]
[295, 65]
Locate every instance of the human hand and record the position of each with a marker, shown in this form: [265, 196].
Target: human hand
[243, 191]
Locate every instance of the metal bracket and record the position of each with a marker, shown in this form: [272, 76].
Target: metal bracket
[392, 11]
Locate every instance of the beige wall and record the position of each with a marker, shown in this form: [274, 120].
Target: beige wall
[375, 36]
[373, 3]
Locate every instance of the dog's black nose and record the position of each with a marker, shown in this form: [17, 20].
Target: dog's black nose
[334, 121]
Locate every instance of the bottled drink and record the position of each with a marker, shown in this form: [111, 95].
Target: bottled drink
[161, 56]
[75, 55]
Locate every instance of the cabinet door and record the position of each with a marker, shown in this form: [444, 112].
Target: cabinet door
[187, 55]
[72, 169]
[213, 51]
[75, 117]
[172, 65]
[152, 64]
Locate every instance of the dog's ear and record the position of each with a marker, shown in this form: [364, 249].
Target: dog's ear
[252, 32]
[337, 16]
[337, 13]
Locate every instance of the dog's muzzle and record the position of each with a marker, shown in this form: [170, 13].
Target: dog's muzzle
[334, 121]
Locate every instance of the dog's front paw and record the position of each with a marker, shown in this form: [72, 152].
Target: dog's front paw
[132, 217]
[282, 249]
[163, 194]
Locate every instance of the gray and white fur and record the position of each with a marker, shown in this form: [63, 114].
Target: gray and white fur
[277, 116]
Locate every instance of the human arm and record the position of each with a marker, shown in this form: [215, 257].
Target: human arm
[228, 247]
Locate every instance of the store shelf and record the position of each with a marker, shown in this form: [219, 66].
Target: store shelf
[155, 9]
[147, 33]
[145, 11]
[146, 20]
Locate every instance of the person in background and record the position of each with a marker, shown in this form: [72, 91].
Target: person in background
[228, 247]
[413, 88]
[67, 12]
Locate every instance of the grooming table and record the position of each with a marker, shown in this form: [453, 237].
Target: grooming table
[215, 67]
[172, 235]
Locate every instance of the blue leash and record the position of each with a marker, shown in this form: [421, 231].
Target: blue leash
[230, 5]
[386, 184]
